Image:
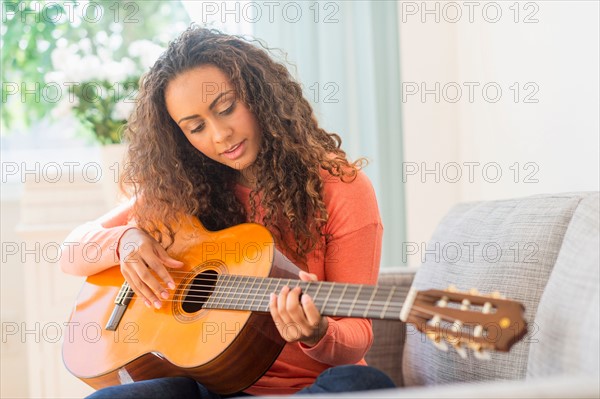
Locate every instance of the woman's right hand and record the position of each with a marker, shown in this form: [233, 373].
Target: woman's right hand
[140, 254]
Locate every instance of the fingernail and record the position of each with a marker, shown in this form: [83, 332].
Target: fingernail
[164, 294]
[171, 285]
[157, 304]
[148, 304]
[272, 297]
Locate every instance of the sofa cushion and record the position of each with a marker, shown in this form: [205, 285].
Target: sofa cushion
[567, 321]
[508, 246]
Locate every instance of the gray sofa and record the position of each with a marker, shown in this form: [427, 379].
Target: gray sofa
[542, 251]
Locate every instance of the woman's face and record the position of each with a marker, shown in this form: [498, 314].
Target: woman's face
[204, 105]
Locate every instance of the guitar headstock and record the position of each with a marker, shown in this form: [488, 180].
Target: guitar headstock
[466, 320]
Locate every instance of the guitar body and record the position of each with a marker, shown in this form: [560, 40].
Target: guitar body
[225, 350]
[216, 327]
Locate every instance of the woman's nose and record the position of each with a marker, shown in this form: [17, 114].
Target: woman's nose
[221, 132]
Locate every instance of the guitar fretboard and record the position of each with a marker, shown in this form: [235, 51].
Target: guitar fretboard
[233, 292]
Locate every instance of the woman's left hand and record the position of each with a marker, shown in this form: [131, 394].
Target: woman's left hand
[298, 319]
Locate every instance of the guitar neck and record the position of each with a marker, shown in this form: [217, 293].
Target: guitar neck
[234, 292]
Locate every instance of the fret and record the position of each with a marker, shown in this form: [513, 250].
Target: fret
[387, 302]
[222, 290]
[278, 282]
[317, 292]
[348, 293]
[354, 301]
[327, 298]
[369, 302]
[213, 294]
[267, 292]
[241, 295]
[254, 294]
[335, 311]
[231, 292]
[234, 292]
[396, 305]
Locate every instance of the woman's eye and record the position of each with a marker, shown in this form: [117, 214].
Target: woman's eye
[197, 128]
[228, 110]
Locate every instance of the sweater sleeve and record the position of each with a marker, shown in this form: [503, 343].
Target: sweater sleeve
[352, 255]
[93, 246]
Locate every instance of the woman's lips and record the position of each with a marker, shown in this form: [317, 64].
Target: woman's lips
[236, 151]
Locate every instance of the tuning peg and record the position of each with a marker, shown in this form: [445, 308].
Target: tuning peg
[462, 352]
[473, 291]
[497, 295]
[452, 288]
[478, 330]
[437, 341]
[465, 304]
[478, 351]
[481, 354]
[487, 308]
[442, 303]
[435, 321]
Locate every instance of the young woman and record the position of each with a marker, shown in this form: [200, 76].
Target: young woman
[222, 132]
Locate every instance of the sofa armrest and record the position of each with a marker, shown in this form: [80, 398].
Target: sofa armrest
[389, 335]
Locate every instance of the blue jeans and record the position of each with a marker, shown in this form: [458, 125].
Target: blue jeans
[336, 379]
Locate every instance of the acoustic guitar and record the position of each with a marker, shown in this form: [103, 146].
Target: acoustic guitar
[216, 326]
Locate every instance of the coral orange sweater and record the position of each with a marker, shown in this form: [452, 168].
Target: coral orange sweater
[351, 255]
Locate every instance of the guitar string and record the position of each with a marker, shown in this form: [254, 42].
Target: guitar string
[226, 278]
[231, 292]
[364, 306]
[228, 293]
[221, 289]
[360, 306]
[266, 298]
[374, 312]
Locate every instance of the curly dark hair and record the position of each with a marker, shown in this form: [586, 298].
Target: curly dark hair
[171, 177]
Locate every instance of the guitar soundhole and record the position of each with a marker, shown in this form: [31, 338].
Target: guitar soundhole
[199, 291]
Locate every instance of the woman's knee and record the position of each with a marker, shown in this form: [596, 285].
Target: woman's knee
[369, 377]
[350, 378]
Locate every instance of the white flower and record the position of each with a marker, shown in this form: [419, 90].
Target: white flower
[90, 68]
[64, 58]
[115, 72]
[55, 77]
[146, 51]
[64, 106]
[122, 110]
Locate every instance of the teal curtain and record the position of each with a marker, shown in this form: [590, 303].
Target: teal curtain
[346, 55]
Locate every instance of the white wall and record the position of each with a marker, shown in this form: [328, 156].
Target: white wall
[555, 141]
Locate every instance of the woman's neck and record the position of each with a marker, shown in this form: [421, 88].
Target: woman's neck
[247, 178]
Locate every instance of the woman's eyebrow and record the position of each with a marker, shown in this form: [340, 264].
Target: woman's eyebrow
[210, 107]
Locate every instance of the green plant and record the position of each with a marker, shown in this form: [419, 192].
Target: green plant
[61, 57]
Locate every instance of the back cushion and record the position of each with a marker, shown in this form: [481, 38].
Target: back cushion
[568, 316]
[508, 246]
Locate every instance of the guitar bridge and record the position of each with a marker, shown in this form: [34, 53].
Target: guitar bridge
[121, 302]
